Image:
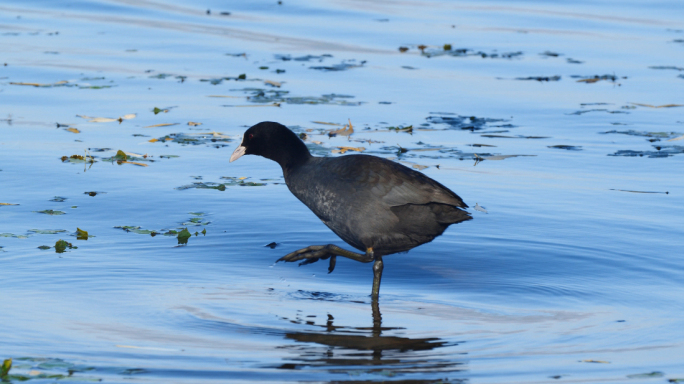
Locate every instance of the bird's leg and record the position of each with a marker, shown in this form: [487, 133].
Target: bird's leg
[314, 253]
[377, 276]
[377, 317]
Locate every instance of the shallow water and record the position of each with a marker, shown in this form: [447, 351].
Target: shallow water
[568, 272]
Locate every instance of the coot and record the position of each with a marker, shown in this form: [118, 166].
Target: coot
[375, 205]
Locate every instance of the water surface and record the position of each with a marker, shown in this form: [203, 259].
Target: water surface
[570, 271]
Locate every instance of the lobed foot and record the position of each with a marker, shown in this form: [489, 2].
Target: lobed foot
[310, 255]
[313, 253]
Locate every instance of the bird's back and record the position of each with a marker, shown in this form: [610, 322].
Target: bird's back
[373, 202]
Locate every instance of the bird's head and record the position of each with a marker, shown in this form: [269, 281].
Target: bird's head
[273, 141]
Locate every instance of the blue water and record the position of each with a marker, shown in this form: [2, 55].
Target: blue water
[570, 275]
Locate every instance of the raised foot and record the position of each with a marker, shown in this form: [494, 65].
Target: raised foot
[313, 253]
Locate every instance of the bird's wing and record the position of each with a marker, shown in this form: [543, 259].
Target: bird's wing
[392, 183]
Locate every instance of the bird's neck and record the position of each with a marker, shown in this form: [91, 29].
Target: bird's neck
[296, 155]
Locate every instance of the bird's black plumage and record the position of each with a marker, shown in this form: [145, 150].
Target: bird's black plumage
[371, 203]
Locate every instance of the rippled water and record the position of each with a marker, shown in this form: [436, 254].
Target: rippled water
[571, 270]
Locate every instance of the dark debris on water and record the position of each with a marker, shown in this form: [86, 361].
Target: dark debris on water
[658, 135]
[660, 152]
[212, 139]
[540, 78]
[232, 182]
[319, 58]
[271, 96]
[447, 50]
[219, 80]
[343, 66]
[596, 78]
[468, 123]
[566, 147]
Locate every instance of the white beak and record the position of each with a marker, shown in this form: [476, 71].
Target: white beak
[239, 151]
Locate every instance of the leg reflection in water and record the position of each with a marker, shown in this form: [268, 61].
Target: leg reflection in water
[373, 350]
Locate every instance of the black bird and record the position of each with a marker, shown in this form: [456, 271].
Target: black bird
[375, 205]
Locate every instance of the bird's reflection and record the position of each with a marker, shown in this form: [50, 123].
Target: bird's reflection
[365, 350]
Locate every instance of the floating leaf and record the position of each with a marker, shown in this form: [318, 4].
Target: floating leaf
[129, 116]
[134, 163]
[72, 130]
[8, 204]
[408, 129]
[13, 236]
[677, 138]
[102, 120]
[51, 212]
[195, 221]
[153, 233]
[344, 131]
[659, 106]
[6, 366]
[183, 236]
[273, 83]
[46, 231]
[81, 234]
[345, 149]
[646, 375]
[59, 83]
[44, 247]
[121, 155]
[323, 122]
[61, 246]
[161, 125]
[193, 124]
[77, 159]
[595, 78]
[137, 230]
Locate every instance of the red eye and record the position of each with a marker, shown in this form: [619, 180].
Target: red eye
[250, 136]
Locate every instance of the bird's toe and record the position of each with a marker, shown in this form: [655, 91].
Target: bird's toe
[313, 253]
